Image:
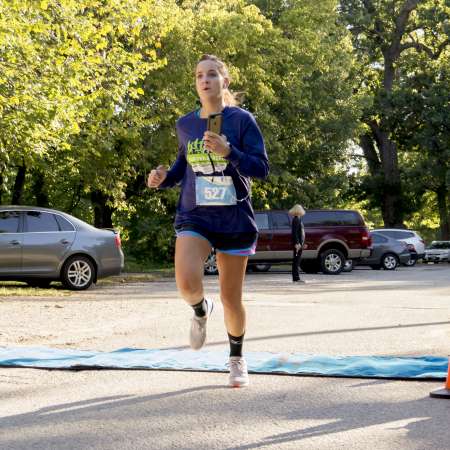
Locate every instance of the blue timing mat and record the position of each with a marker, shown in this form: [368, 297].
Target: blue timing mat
[418, 368]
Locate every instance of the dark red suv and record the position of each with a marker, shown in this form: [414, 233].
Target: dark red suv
[332, 236]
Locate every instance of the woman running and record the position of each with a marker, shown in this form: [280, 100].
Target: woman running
[214, 209]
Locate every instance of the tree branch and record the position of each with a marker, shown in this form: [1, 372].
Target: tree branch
[375, 128]
[370, 153]
[402, 19]
[393, 52]
[423, 48]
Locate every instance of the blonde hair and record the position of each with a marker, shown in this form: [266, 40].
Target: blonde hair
[228, 96]
[297, 210]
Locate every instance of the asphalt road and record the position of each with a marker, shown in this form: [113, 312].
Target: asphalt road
[406, 312]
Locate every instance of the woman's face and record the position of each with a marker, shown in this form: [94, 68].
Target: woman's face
[209, 82]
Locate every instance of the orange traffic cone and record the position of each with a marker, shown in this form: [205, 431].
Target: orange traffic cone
[443, 393]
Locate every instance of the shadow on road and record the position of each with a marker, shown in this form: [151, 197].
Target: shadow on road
[178, 411]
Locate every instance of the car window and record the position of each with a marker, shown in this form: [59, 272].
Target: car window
[9, 221]
[312, 218]
[41, 222]
[319, 218]
[280, 220]
[64, 224]
[378, 239]
[440, 245]
[348, 218]
[262, 221]
[397, 234]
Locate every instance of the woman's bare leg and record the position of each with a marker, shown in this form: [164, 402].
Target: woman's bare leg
[231, 279]
[190, 255]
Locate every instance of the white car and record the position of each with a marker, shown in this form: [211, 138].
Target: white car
[438, 251]
[416, 243]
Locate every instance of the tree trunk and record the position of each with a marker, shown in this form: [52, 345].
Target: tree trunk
[19, 183]
[102, 211]
[392, 210]
[391, 204]
[38, 189]
[367, 144]
[385, 162]
[444, 213]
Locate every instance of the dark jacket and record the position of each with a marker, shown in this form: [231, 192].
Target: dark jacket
[298, 231]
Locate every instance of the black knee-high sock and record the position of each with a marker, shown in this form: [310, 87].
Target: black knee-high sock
[236, 345]
[200, 308]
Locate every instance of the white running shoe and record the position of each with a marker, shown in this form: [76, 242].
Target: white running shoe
[238, 372]
[197, 336]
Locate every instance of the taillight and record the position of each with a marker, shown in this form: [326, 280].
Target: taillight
[117, 240]
[366, 238]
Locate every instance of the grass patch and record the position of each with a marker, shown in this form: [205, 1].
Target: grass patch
[155, 275]
[16, 289]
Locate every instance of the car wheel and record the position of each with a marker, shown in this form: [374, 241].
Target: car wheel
[389, 261]
[211, 264]
[261, 267]
[411, 262]
[309, 266]
[348, 266]
[78, 273]
[43, 284]
[332, 261]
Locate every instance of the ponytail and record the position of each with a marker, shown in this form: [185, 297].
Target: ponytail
[230, 98]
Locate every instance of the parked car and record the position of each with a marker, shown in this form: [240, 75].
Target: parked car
[416, 243]
[40, 245]
[332, 237]
[438, 251]
[387, 253]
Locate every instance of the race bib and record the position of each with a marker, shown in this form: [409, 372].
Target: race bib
[215, 191]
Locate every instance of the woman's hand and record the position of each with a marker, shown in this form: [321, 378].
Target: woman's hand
[216, 143]
[156, 177]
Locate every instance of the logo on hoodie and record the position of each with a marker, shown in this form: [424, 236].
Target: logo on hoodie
[200, 158]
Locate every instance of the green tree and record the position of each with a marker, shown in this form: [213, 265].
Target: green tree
[384, 33]
[236, 32]
[295, 74]
[94, 106]
[315, 109]
[423, 131]
[69, 69]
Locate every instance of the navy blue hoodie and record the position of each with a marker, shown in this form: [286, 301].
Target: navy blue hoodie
[247, 159]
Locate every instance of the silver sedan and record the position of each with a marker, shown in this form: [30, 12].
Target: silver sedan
[387, 253]
[40, 245]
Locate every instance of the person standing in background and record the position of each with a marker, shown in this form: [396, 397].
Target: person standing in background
[298, 239]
